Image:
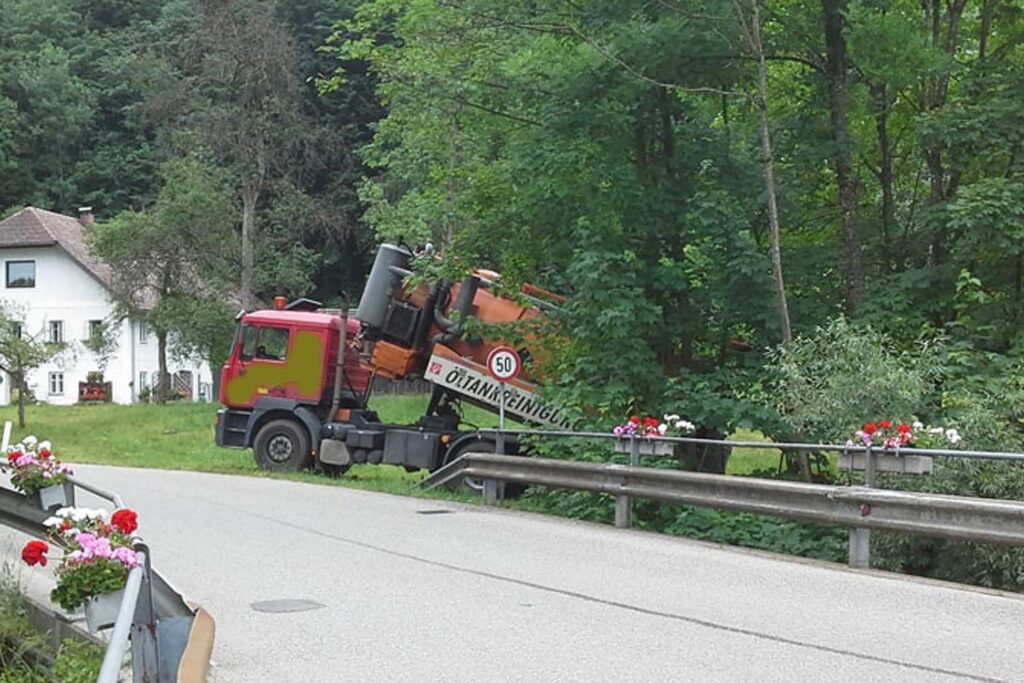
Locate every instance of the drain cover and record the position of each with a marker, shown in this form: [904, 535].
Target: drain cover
[286, 605]
[434, 512]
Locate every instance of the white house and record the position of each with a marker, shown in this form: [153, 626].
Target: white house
[52, 280]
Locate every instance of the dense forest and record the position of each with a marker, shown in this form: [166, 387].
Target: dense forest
[779, 215]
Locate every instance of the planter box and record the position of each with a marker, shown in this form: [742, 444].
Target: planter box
[692, 457]
[101, 610]
[645, 447]
[887, 462]
[61, 495]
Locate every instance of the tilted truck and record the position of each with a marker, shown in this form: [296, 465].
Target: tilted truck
[296, 385]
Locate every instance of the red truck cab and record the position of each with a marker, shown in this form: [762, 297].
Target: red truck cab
[288, 355]
[281, 369]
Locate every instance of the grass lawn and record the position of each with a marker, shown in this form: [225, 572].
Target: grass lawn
[748, 460]
[180, 437]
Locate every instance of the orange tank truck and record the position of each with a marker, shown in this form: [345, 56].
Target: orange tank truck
[296, 385]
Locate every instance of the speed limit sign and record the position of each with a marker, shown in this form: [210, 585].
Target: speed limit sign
[503, 363]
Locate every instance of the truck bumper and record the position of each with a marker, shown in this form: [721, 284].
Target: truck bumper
[230, 428]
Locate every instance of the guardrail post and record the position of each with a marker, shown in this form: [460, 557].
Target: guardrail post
[491, 491]
[624, 504]
[145, 652]
[860, 538]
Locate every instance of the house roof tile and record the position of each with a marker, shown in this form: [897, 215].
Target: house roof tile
[32, 227]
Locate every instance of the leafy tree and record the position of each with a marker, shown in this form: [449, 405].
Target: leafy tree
[21, 353]
[175, 250]
[249, 111]
[559, 154]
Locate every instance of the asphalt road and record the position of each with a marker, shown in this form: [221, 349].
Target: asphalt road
[475, 594]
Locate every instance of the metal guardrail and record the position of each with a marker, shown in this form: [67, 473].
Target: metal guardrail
[110, 670]
[861, 508]
[153, 615]
[138, 619]
[770, 445]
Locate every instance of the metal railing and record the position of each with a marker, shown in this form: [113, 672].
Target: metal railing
[861, 508]
[153, 617]
[117, 644]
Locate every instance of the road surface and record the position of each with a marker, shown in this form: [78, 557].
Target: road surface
[413, 590]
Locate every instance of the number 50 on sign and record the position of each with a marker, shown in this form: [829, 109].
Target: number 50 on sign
[503, 363]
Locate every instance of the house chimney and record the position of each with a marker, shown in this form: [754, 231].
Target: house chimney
[85, 216]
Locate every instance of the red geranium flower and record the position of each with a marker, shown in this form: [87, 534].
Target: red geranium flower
[884, 424]
[635, 419]
[904, 428]
[34, 553]
[44, 453]
[12, 456]
[125, 520]
[650, 422]
[870, 428]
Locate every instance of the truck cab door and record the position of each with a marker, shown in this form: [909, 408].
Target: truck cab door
[258, 365]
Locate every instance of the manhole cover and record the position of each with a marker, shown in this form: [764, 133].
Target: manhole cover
[287, 605]
[434, 512]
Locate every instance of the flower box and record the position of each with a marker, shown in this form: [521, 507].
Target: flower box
[887, 462]
[645, 447]
[101, 610]
[61, 495]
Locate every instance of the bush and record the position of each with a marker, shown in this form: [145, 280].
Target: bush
[763, 533]
[982, 418]
[829, 384]
[77, 662]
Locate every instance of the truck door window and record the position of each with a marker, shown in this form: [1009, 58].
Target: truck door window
[273, 343]
[264, 343]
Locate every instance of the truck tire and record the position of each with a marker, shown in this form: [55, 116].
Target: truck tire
[281, 446]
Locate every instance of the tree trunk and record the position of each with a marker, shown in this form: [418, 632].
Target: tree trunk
[752, 28]
[162, 381]
[215, 383]
[21, 397]
[936, 92]
[986, 26]
[768, 163]
[250, 196]
[846, 179]
[880, 100]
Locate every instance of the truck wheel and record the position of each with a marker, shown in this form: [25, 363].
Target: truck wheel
[281, 446]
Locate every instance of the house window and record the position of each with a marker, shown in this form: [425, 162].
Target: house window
[56, 331]
[95, 329]
[143, 382]
[56, 384]
[143, 332]
[16, 330]
[21, 274]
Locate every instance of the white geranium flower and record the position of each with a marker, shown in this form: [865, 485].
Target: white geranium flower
[30, 441]
[918, 426]
[53, 521]
[671, 418]
[65, 512]
[45, 446]
[662, 428]
[686, 426]
[935, 430]
[952, 436]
